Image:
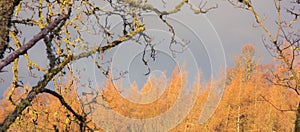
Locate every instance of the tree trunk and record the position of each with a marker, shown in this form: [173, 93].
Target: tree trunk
[297, 123]
[6, 13]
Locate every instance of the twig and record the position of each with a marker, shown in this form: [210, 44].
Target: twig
[286, 110]
[82, 119]
[10, 58]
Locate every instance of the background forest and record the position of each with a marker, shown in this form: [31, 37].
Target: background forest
[141, 65]
[250, 103]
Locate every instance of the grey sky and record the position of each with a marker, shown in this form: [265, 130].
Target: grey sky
[233, 26]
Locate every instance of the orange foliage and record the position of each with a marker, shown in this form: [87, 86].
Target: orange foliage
[136, 110]
[249, 103]
[46, 113]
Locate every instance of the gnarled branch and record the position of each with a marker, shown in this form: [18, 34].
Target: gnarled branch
[10, 58]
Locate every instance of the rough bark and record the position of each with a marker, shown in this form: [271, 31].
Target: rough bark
[10, 58]
[39, 88]
[6, 13]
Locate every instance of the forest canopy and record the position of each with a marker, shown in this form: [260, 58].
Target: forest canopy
[64, 62]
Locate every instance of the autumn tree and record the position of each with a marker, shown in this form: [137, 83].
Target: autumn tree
[253, 104]
[149, 110]
[63, 28]
[282, 41]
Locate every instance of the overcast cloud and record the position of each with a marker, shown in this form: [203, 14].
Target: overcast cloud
[223, 29]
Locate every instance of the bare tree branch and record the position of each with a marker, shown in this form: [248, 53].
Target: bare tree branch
[281, 110]
[40, 87]
[81, 118]
[32, 94]
[10, 58]
[6, 12]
